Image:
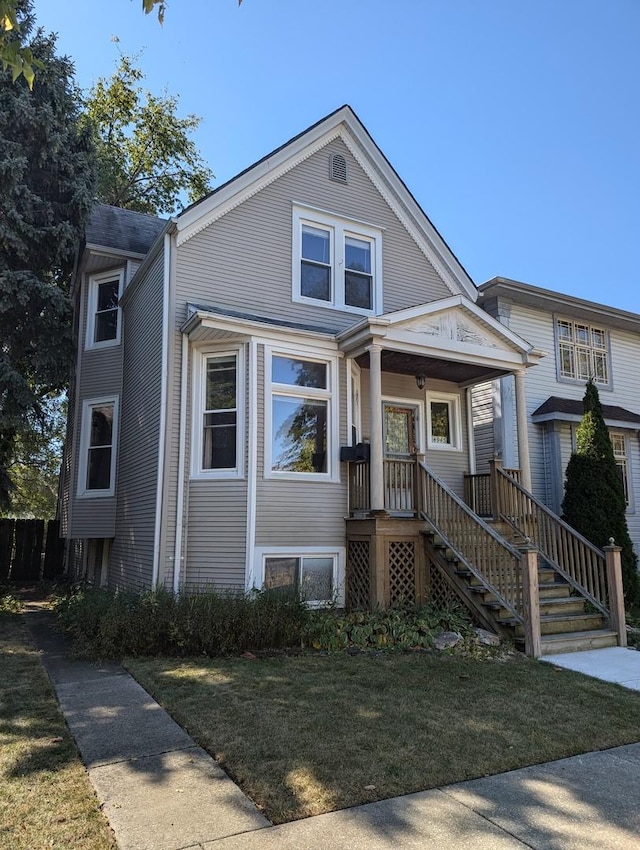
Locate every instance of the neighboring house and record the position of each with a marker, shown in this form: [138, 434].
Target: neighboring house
[582, 340]
[273, 389]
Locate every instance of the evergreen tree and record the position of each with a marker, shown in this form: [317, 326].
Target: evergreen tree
[594, 501]
[46, 188]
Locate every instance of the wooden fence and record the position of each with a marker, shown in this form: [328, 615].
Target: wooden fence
[30, 550]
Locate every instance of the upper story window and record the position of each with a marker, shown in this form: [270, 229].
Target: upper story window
[336, 263]
[301, 416]
[218, 400]
[583, 352]
[96, 474]
[103, 312]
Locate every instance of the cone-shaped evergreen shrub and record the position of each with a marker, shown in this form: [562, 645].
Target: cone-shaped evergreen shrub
[594, 502]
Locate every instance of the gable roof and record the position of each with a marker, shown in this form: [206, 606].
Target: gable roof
[572, 410]
[122, 230]
[559, 302]
[343, 123]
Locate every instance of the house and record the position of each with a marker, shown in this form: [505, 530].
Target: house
[582, 340]
[274, 389]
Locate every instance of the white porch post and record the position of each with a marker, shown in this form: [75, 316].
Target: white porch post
[523, 430]
[376, 466]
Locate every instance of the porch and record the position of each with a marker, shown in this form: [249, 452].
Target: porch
[521, 571]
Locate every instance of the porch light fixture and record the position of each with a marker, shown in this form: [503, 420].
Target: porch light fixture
[421, 380]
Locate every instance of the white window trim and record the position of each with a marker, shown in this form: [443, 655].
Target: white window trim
[630, 505]
[339, 228]
[261, 553]
[331, 395]
[568, 379]
[198, 401]
[92, 306]
[85, 435]
[453, 400]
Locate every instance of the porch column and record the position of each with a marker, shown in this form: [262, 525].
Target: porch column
[523, 430]
[376, 465]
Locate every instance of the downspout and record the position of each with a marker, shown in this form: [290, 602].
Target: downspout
[155, 576]
[470, 435]
[182, 460]
[252, 464]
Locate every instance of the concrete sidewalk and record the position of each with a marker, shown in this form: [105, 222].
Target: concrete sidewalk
[162, 792]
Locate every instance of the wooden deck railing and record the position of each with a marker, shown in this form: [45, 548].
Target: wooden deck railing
[400, 485]
[476, 545]
[578, 561]
[477, 491]
[359, 489]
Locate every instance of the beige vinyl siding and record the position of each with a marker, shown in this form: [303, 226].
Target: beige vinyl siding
[244, 260]
[132, 550]
[482, 400]
[216, 519]
[100, 374]
[450, 465]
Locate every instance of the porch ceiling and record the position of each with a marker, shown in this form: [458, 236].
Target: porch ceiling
[403, 363]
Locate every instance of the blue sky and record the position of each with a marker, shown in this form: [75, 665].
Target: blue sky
[515, 123]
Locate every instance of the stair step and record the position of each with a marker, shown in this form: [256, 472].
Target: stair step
[545, 577]
[552, 590]
[578, 641]
[566, 624]
[569, 606]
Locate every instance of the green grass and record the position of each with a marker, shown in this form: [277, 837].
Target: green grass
[46, 800]
[311, 734]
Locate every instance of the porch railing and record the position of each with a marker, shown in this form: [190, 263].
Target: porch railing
[476, 545]
[399, 486]
[477, 491]
[580, 562]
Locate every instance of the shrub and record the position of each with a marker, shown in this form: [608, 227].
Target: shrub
[9, 604]
[405, 628]
[111, 625]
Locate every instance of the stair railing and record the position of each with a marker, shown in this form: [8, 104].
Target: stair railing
[576, 559]
[474, 543]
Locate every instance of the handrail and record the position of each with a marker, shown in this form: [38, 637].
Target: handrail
[580, 562]
[483, 552]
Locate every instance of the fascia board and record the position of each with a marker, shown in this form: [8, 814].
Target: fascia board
[445, 349]
[440, 306]
[347, 126]
[413, 217]
[559, 416]
[103, 251]
[247, 327]
[559, 302]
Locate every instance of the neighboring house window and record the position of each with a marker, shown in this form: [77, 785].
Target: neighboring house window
[217, 447]
[301, 432]
[312, 574]
[103, 312]
[96, 474]
[336, 263]
[582, 352]
[443, 422]
[620, 453]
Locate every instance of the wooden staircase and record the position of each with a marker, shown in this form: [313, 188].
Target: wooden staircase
[482, 562]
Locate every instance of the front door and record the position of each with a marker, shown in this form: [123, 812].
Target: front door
[400, 447]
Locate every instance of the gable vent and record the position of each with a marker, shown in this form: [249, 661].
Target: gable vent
[338, 168]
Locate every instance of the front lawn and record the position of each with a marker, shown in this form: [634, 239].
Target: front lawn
[46, 800]
[309, 734]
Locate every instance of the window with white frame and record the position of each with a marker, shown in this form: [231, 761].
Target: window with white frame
[336, 263]
[444, 429]
[619, 445]
[103, 312]
[301, 417]
[582, 352]
[312, 575]
[96, 473]
[218, 414]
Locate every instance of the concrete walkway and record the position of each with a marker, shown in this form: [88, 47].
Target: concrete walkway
[162, 792]
[613, 664]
